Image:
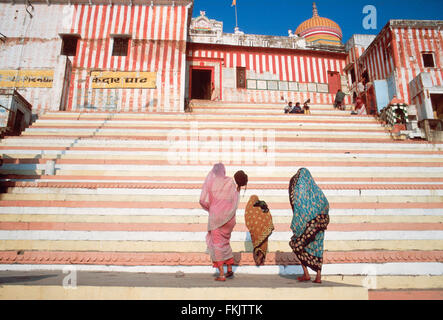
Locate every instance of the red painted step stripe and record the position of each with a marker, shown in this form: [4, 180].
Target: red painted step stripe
[165, 138]
[436, 294]
[184, 178]
[376, 130]
[192, 259]
[195, 205]
[186, 117]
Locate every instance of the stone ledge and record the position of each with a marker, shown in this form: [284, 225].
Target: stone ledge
[202, 259]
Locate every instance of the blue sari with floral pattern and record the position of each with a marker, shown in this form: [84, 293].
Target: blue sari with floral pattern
[310, 219]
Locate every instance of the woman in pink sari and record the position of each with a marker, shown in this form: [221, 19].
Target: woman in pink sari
[220, 197]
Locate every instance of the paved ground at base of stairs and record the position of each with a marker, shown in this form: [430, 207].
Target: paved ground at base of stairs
[126, 279]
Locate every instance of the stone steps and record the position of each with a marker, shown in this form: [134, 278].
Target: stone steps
[121, 199]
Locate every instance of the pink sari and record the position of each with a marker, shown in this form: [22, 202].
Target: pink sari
[219, 197]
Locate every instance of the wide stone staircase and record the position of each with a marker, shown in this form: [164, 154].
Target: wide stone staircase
[116, 195]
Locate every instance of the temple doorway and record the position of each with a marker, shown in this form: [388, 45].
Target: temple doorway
[201, 80]
[334, 81]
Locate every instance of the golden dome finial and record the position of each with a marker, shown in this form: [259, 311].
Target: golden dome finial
[314, 10]
[320, 30]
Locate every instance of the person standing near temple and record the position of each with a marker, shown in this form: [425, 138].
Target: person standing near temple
[310, 219]
[339, 100]
[220, 197]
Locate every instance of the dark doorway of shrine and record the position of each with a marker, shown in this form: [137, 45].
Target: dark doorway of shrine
[201, 84]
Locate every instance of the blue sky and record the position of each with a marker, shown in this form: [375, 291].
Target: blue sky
[275, 17]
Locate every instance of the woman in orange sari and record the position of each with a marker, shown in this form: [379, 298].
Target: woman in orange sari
[220, 197]
[259, 223]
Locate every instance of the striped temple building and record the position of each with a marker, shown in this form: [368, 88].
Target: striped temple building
[106, 180]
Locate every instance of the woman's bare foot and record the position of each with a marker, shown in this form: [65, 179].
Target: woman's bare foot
[304, 278]
[221, 278]
[229, 273]
[318, 277]
[221, 275]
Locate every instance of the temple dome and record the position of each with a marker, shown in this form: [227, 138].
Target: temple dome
[320, 30]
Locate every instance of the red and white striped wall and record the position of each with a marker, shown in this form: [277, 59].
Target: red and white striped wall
[377, 59]
[412, 42]
[32, 44]
[353, 54]
[300, 66]
[157, 44]
[399, 50]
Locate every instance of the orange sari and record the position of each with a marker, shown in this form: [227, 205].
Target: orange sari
[260, 226]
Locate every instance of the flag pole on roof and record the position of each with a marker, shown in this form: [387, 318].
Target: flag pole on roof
[234, 4]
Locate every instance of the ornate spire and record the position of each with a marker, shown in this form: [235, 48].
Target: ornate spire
[314, 10]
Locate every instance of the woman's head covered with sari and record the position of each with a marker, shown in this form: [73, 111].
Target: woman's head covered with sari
[259, 223]
[306, 198]
[219, 197]
[310, 218]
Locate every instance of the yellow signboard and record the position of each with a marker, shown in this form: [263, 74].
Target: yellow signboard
[117, 79]
[26, 78]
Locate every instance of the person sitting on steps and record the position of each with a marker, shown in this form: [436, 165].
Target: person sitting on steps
[288, 108]
[306, 108]
[297, 108]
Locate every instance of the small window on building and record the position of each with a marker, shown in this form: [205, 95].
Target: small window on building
[120, 47]
[428, 60]
[365, 77]
[241, 77]
[69, 45]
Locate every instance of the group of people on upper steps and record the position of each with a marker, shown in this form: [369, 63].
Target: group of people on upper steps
[220, 198]
[297, 109]
[339, 103]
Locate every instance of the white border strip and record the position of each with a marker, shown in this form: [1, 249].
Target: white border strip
[365, 269]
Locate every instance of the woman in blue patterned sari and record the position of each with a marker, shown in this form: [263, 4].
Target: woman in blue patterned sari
[309, 222]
